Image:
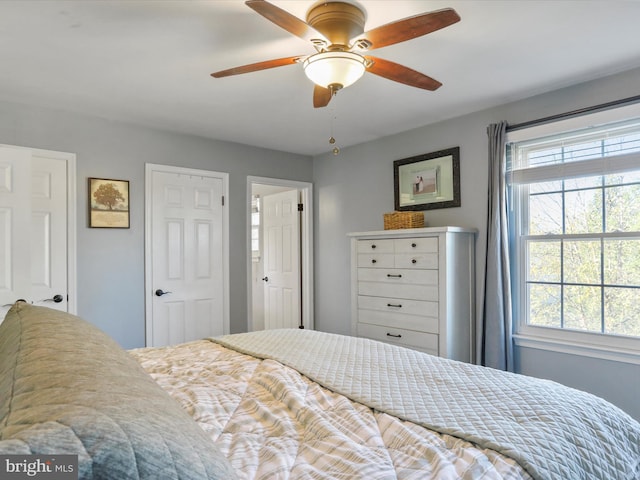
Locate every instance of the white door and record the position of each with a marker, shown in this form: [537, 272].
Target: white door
[34, 253]
[281, 227]
[186, 250]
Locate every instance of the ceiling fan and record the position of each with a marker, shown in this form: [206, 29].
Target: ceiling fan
[336, 30]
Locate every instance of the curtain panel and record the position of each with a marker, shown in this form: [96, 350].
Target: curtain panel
[496, 343]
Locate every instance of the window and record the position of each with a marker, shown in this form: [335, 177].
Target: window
[255, 228]
[575, 237]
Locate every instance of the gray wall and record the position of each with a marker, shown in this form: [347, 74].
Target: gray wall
[111, 261]
[355, 188]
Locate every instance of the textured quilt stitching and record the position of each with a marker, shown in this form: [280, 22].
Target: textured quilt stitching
[509, 424]
[13, 380]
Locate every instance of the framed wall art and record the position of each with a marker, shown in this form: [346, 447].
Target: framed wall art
[108, 203]
[428, 181]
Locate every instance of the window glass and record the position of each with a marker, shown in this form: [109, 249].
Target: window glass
[622, 262]
[255, 228]
[581, 261]
[545, 305]
[622, 208]
[545, 262]
[581, 308]
[583, 211]
[545, 214]
[622, 310]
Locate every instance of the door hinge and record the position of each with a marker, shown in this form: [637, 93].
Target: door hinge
[300, 207]
[223, 200]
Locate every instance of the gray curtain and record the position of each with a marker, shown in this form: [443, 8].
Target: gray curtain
[496, 349]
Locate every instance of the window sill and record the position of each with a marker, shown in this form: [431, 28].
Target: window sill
[577, 348]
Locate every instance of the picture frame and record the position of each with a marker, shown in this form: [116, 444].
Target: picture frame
[108, 203]
[427, 181]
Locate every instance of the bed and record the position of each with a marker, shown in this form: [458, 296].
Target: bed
[291, 404]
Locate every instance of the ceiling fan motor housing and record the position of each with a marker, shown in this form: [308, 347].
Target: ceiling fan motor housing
[339, 22]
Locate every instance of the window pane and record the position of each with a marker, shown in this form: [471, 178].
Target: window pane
[622, 263]
[622, 311]
[545, 214]
[542, 157]
[583, 211]
[583, 151]
[546, 187]
[582, 182]
[544, 261]
[622, 144]
[622, 178]
[623, 208]
[582, 308]
[544, 305]
[582, 261]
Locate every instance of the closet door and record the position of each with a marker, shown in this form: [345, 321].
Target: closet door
[33, 228]
[187, 238]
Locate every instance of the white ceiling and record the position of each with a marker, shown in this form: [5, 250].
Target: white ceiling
[149, 62]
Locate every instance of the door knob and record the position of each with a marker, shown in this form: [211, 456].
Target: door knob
[159, 292]
[55, 299]
[265, 279]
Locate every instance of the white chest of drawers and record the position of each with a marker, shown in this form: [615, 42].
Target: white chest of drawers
[416, 288]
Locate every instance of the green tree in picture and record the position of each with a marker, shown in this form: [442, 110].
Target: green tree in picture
[108, 195]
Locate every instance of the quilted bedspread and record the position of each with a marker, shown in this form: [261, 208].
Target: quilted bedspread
[271, 422]
[552, 431]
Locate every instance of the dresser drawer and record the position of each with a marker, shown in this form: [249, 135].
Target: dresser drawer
[415, 245]
[375, 246]
[426, 342]
[398, 276]
[376, 260]
[418, 323]
[411, 292]
[416, 260]
[399, 305]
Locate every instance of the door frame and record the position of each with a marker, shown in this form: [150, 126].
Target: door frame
[306, 248]
[149, 169]
[72, 229]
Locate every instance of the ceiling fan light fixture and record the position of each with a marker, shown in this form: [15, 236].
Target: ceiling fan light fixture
[338, 69]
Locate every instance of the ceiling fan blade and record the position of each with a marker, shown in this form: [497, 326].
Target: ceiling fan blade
[284, 19]
[254, 67]
[321, 96]
[408, 28]
[399, 73]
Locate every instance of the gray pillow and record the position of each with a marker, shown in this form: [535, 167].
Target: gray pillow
[72, 390]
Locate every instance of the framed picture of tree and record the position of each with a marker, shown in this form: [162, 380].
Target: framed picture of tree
[108, 203]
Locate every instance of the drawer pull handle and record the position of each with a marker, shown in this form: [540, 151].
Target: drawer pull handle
[373, 246]
[395, 305]
[390, 275]
[373, 260]
[413, 260]
[394, 336]
[414, 245]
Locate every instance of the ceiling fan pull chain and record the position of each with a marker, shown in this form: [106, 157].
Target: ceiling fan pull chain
[332, 140]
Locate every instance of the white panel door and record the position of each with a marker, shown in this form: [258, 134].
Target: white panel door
[33, 228]
[187, 261]
[281, 227]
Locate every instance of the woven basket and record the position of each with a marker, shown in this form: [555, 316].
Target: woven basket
[395, 220]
